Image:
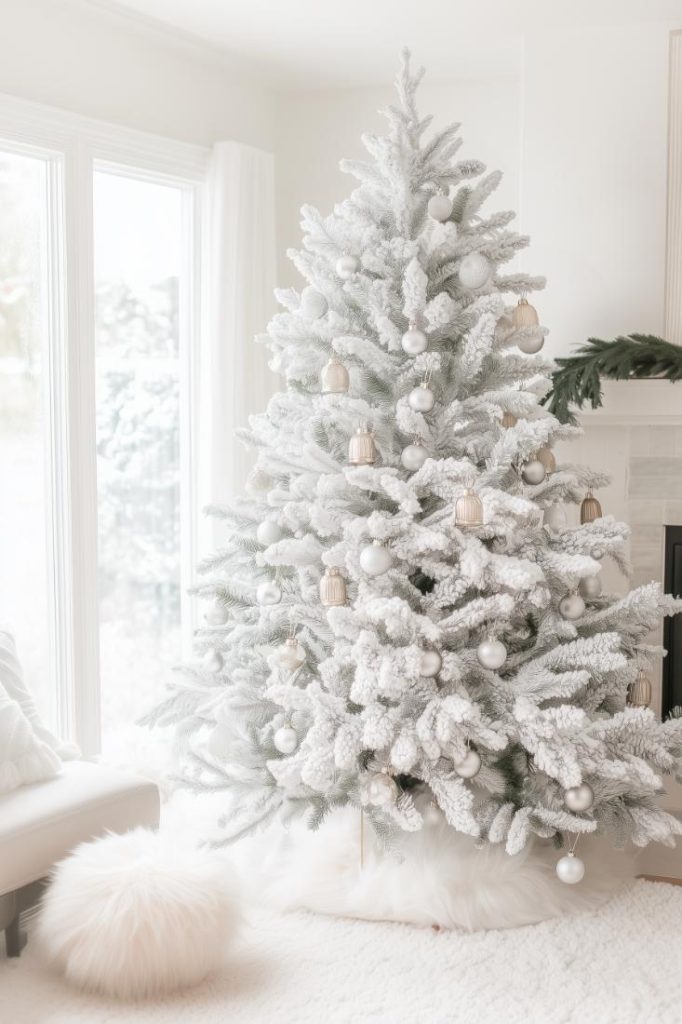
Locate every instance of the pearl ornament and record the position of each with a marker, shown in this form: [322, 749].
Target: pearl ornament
[414, 456]
[268, 593]
[217, 614]
[381, 790]
[491, 653]
[570, 869]
[285, 739]
[533, 472]
[213, 661]
[375, 559]
[440, 207]
[346, 266]
[474, 271]
[590, 586]
[268, 532]
[571, 607]
[414, 341]
[579, 798]
[313, 303]
[431, 664]
[469, 766]
[291, 655]
[421, 399]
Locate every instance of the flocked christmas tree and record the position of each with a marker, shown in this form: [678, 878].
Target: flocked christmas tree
[400, 615]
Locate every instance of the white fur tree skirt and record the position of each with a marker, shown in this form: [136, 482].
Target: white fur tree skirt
[621, 964]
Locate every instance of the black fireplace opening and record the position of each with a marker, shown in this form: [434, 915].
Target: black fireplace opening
[672, 625]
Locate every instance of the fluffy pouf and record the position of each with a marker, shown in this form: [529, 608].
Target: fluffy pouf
[137, 914]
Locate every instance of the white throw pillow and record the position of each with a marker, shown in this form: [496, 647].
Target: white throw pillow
[23, 756]
[12, 681]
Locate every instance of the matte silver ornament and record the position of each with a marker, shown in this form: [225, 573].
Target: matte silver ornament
[440, 207]
[268, 532]
[217, 614]
[579, 798]
[533, 472]
[268, 593]
[414, 341]
[291, 654]
[313, 303]
[531, 343]
[414, 456]
[590, 586]
[474, 271]
[212, 661]
[421, 399]
[346, 266]
[375, 559]
[570, 869]
[285, 739]
[335, 379]
[469, 766]
[597, 553]
[571, 607]
[491, 653]
[381, 790]
[431, 664]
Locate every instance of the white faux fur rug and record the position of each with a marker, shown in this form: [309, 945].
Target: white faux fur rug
[621, 964]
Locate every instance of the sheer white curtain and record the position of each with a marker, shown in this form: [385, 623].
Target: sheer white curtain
[236, 380]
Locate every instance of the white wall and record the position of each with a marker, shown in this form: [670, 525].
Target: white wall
[98, 63]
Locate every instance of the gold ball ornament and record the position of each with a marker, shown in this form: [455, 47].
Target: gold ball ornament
[334, 377]
[590, 509]
[468, 510]
[640, 692]
[332, 588]
[361, 447]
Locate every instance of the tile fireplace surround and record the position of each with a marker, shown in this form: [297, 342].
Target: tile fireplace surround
[636, 437]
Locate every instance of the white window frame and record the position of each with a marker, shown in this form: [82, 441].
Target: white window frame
[73, 147]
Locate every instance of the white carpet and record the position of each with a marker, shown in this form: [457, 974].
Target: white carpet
[619, 965]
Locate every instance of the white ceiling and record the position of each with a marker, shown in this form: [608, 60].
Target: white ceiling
[318, 44]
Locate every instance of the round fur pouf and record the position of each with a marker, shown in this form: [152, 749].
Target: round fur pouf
[138, 914]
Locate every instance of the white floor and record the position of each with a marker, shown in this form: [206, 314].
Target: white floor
[621, 965]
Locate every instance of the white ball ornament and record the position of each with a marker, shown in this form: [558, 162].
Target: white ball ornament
[491, 653]
[597, 553]
[431, 664]
[217, 614]
[346, 266]
[590, 586]
[413, 457]
[571, 607]
[213, 661]
[285, 739]
[469, 766]
[570, 869]
[531, 343]
[421, 399]
[313, 303]
[268, 532]
[381, 790]
[579, 798]
[414, 341]
[375, 559]
[533, 472]
[440, 207]
[474, 271]
[291, 655]
[268, 593]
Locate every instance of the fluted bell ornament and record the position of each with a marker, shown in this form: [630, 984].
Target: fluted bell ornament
[579, 798]
[431, 664]
[533, 472]
[414, 341]
[474, 271]
[313, 303]
[590, 509]
[546, 457]
[470, 764]
[414, 456]
[346, 266]
[639, 692]
[524, 315]
[570, 869]
[440, 207]
[332, 588]
[361, 447]
[422, 398]
[571, 606]
[285, 739]
[509, 420]
[468, 510]
[268, 593]
[375, 559]
[335, 379]
[291, 654]
[491, 653]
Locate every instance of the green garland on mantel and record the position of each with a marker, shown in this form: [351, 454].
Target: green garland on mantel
[578, 377]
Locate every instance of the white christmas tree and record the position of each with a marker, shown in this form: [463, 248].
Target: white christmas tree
[399, 616]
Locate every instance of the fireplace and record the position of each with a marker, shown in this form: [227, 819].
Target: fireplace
[672, 629]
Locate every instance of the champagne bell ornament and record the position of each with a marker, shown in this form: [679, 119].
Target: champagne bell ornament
[291, 655]
[361, 448]
[268, 593]
[491, 653]
[346, 266]
[334, 377]
[414, 341]
[440, 207]
[474, 271]
[525, 315]
[468, 510]
[217, 614]
[375, 559]
[470, 764]
[285, 739]
[213, 661]
[590, 509]
[431, 663]
[332, 588]
[414, 456]
[313, 303]
[268, 532]
[590, 586]
[533, 472]
[381, 790]
[509, 420]
[579, 798]
[571, 606]
[546, 457]
[422, 398]
[639, 692]
[570, 869]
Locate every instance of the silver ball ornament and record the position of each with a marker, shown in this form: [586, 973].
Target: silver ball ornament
[531, 343]
[381, 790]
[414, 456]
[421, 399]
[597, 553]
[571, 606]
[346, 266]
[431, 664]
[533, 472]
[268, 532]
[212, 661]
[375, 559]
[590, 586]
[474, 271]
[414, 341]
[217, 614]
[440, 207]
[579, 798]
[285, 739]
[570, 869]
[313, 303]
[268, 593]
[469, 766]
[491, 653]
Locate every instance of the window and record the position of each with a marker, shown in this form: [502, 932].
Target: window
[99, 339]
